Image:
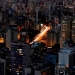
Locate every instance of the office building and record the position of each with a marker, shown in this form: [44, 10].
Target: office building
[63, 60]
[63, 56]
[8, 38]
[67, 29]
[59, 70]
[72, 59]
[73, 30]
[11, 35]
[51, 39]
[2, 67]
[20, 58]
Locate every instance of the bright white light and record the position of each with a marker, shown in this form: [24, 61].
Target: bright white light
[41, 25]
[61, 72]
[20, 50]
[18, 73]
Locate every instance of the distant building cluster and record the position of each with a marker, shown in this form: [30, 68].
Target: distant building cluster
[37, 37]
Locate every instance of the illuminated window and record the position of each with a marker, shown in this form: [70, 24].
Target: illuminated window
[20, 51]
[63, 35]
[73, 35]
[63, 21]
[18, 36]
[1, 40]
[63, 30]
[64, 25]
[23, 33]
[73, 26]
[17, 73]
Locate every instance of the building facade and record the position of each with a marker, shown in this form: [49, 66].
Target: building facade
[11, 35]
[20, 58]
[67, 29]
[72, 59]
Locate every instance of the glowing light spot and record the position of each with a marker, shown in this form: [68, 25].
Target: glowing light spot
[1, 40]
[18, 36]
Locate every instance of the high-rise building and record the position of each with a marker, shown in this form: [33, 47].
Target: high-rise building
[11, 35]
[63, 60]
[8, 38]
[53, 35]
[59, 70]
[72, 59]
[20, 58]
[67, 29]
[2, 67]
[73, 31]
[63, 57]
[51, 39]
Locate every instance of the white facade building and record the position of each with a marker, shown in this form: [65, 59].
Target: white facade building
[63, 60]
[63, 56]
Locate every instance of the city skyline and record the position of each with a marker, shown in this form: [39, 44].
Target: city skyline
[37, 37]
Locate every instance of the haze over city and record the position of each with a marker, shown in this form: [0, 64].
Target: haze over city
[37, 37]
